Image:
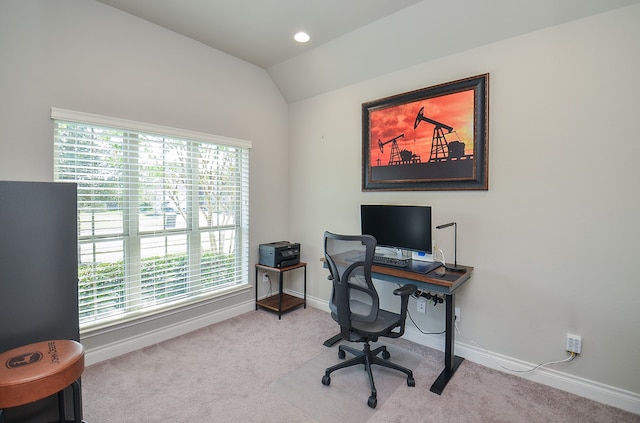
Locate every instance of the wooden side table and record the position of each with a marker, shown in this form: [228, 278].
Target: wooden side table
[282, 302]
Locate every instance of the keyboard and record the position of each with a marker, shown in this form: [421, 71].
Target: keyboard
[391, 261]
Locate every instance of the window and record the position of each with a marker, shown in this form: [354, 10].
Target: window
[162, 214]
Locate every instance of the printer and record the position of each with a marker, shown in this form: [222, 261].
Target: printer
[279, 254]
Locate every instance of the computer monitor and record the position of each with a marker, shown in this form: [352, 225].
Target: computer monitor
[401, 227]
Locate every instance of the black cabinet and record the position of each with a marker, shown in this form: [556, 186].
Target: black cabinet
[38, 273]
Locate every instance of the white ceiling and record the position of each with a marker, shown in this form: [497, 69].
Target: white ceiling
[261, 31]
[352, 40]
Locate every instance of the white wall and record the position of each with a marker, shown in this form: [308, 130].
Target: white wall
[554, 239]
[85, 56]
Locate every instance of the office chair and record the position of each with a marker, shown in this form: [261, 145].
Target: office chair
[356, 307]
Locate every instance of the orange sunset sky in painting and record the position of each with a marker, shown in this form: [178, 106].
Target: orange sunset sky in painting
[455, 110]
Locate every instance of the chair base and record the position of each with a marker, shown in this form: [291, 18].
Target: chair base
[367, 357]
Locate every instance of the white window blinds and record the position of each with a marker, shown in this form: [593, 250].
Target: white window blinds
[162, 213]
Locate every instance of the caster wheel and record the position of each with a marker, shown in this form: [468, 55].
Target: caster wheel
[386, 355]
[341, 354]
[411, 381]
[326, 380]
[372, 402]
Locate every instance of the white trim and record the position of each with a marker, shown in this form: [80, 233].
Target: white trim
[150, 128]
[116, 323]
[596, 391]
[127, 345]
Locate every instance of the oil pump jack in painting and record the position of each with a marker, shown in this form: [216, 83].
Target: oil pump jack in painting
[398, 157]
[455, 157]
[440, 148]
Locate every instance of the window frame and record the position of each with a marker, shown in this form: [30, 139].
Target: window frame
[241, 229]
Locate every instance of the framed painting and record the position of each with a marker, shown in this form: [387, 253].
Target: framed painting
[435, 138]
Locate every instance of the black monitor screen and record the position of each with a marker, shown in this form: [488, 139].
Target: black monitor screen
[404, 227]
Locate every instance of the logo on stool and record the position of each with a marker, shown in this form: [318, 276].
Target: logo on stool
[24, 359]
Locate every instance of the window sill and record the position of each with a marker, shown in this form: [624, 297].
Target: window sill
[116, 323]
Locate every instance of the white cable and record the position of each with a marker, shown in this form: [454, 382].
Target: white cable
[270, 291]
[435, 255]
[570, 358]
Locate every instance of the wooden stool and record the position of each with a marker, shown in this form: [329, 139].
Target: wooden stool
[36, 371]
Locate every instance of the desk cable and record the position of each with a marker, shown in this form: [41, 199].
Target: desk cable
[488, 353]
[566, 360]
[421, 331]
[266, 278]
[435, 255]
[417, 327]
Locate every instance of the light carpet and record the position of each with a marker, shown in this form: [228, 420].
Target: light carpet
[345, 399]
[228, 372]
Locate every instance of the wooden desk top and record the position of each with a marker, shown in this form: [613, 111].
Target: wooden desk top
[441, 276]
[281, 269]
[442, 279]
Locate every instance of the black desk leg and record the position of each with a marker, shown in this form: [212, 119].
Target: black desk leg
[256, 287]
[280, 297]
[451, 361]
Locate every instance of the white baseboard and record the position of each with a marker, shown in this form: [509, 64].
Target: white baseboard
[322, 305]
[127, 345]
[610, 395]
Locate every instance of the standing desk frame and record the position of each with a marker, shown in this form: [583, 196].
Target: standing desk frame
[440, 281]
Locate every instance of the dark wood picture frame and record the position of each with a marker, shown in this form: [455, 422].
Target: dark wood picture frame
[435, 138]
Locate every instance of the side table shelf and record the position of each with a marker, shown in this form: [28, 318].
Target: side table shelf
[281, 302]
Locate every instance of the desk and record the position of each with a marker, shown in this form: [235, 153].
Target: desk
[441, 281]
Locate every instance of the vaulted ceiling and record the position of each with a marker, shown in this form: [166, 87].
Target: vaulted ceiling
[352, 40]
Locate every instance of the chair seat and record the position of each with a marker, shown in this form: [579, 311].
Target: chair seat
[36, 371]
[355, 306]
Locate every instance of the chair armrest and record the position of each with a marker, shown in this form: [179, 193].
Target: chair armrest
[407, 289]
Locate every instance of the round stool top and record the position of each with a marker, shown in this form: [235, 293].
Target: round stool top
[35, 371]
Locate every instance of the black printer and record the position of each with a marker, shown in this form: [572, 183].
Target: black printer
[279, 254]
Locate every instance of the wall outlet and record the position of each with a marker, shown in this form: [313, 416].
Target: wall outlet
[574, 343]
[421, 305]
[265, 277]
[458, 315]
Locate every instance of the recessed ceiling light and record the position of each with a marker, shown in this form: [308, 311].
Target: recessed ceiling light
[301, 37]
